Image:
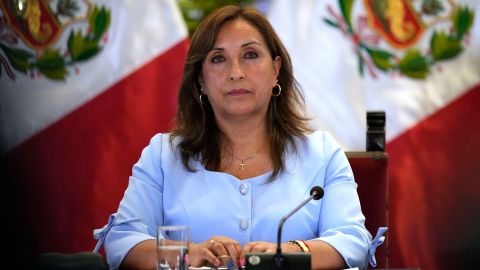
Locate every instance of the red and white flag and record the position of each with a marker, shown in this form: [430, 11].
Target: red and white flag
[84, 86]
[419, 61]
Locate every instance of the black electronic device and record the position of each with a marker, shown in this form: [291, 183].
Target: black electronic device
[375, 131]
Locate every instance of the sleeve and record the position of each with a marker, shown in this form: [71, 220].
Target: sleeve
[341, 223]
[141, 209]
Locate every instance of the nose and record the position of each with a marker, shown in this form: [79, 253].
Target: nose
[236, 72]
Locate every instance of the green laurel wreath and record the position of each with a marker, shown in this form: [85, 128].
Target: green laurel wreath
[51, 63]
[413, 63]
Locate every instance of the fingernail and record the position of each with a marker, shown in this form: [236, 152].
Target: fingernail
[242, 262]
[216, 262]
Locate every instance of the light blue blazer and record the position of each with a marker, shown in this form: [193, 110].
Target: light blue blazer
[162, 192]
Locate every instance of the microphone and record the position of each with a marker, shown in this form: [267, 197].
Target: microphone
[254, 260]
[316, 193]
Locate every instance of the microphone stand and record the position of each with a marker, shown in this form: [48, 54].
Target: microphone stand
[315, 194]
[289, 261]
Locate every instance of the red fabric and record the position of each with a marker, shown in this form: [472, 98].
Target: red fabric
[434, 183]
[370, 171]
[66, 180]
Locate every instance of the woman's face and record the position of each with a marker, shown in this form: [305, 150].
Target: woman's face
[238, 74]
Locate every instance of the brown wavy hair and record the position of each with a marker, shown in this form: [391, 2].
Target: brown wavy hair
[198, 133]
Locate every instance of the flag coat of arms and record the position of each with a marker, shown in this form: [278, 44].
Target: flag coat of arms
[84, 85]
[419, 61]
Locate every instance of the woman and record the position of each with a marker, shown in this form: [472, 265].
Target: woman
[241, 157]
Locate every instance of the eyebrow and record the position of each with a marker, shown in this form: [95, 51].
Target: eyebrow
[243, 46]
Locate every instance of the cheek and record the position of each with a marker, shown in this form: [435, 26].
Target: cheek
[267, 72]
[265, 92]
[266, 81]
[213, 76]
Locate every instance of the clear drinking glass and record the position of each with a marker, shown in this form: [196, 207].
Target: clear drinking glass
[172, 248]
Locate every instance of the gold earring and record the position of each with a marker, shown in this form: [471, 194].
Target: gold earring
[279, 90]
[202, 95]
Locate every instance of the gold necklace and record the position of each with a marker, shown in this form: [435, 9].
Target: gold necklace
[242, 161]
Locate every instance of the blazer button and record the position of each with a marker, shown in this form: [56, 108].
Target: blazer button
[243, 189]
[244, 224]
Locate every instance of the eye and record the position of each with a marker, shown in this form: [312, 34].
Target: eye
[217, 59]
[251, 54]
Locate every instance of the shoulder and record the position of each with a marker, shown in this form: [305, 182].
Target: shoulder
[318, 143]
[163, 142]
[157, 143]
[159, 157]
[322, 137]
[158, 148]
[314, 152]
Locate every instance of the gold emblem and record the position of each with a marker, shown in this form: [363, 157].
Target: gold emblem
[395, 20]
[401, 25]
[40, 24]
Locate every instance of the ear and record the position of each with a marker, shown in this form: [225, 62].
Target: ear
[277, 64]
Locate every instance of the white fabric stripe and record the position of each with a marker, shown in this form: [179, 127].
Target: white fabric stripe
[140, 30]
[337, 96]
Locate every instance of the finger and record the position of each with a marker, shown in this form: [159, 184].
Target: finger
[199, 255]
[227, 250]
[226, 261]
[218, 248]
[236, 247]
[259, 248]
[210, 257]
[233, 250]
[263, 247]
[211, 243]
[246, 249]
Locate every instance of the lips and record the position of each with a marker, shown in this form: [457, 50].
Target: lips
[238, 92]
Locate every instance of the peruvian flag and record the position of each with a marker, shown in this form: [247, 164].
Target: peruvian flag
[84, 86]
[419, 61]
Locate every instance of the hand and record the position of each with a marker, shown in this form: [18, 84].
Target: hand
[212, 250]
[260, 247]
[265, 247]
